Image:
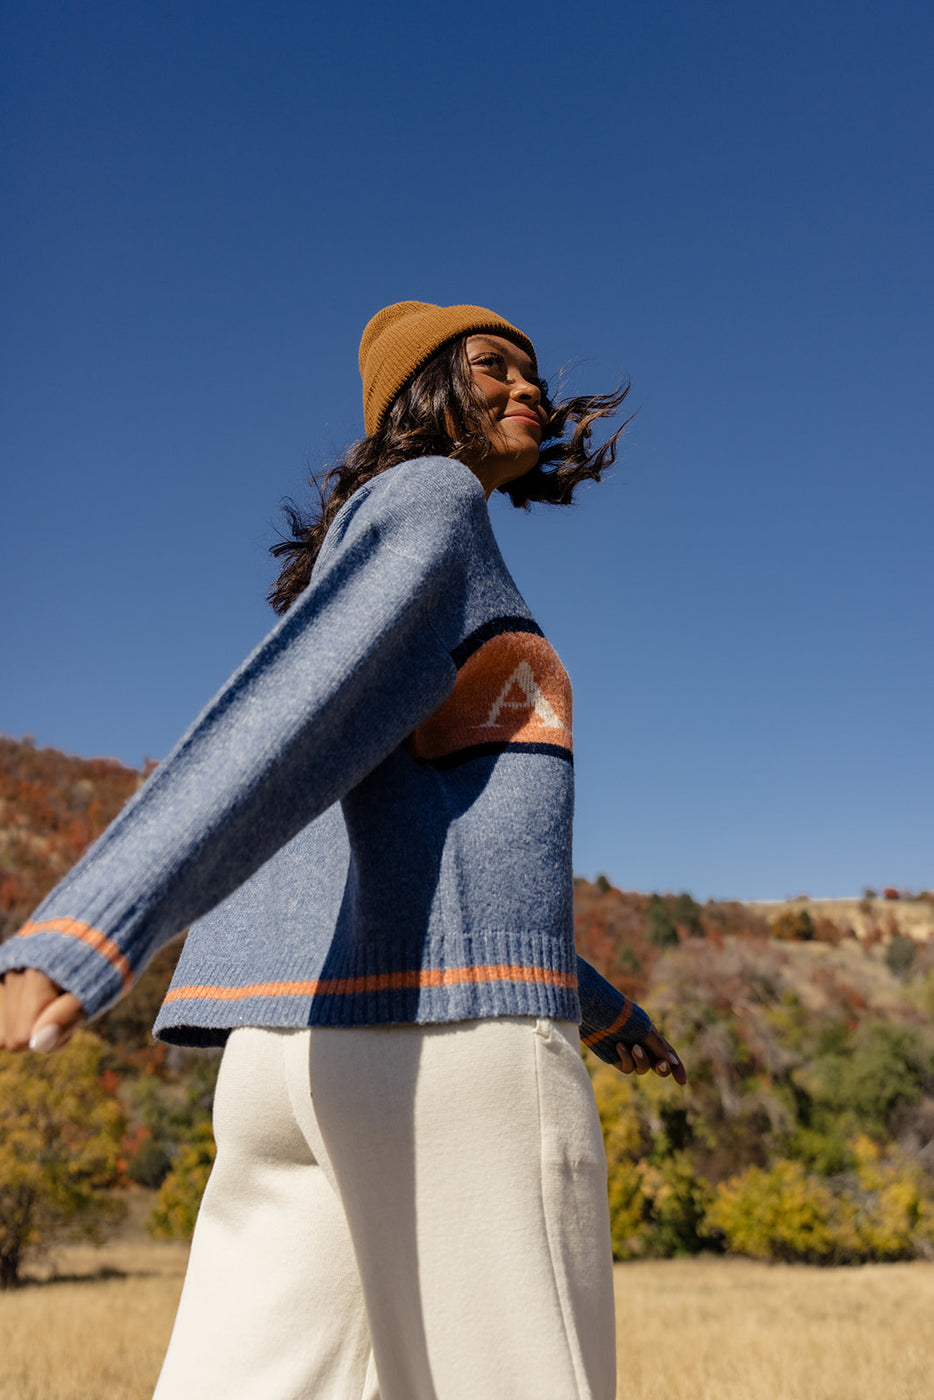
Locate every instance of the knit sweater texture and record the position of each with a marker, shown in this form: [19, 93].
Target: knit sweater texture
[371, 822]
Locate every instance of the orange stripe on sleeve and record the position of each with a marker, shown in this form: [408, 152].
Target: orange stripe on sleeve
[74, 928]
[617, 1025]
[379, 982]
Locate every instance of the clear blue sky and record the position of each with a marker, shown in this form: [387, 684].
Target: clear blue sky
[731, 202]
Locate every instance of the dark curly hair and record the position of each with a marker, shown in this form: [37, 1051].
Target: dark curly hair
[439, 414]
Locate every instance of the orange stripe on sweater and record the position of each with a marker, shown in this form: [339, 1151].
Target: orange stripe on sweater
[617, 1025]
[379, 982]
[73, 928]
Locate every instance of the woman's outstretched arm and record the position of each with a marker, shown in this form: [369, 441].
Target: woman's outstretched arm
[339, 683]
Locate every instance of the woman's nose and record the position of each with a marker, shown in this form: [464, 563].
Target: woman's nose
[525, 390]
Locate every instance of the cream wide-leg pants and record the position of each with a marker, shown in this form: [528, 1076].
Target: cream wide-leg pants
[401, 1213]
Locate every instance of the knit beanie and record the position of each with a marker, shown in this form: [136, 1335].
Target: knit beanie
[402, 338]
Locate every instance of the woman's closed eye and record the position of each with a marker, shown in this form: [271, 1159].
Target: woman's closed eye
[491, 361]
[496, 365]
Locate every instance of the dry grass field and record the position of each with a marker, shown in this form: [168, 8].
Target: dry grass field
[691, 1330]
[93, 1340]
[702, 1329]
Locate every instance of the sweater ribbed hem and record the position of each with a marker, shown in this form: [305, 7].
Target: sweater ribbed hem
[497, 975]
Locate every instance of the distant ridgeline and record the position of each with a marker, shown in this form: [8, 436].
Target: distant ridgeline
[622, 933]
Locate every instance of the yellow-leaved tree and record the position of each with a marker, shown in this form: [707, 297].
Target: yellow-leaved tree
[59, 1151]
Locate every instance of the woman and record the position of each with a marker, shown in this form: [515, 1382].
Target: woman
[372, 825]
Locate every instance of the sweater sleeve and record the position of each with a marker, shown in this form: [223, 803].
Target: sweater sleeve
[338, 684]
[607, 1017]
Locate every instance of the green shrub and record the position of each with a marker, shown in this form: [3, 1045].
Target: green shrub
[149, 1164]
[688, 915]
[660, 927]
[900, 953]
[628, 961]
[879, 1071]
[180, 1194]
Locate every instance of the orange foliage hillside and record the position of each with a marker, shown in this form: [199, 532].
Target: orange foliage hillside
[622, 933]
[52, 806]
[609, 931]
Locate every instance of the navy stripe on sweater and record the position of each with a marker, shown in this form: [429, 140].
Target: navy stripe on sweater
[494, 628]
[452, 760]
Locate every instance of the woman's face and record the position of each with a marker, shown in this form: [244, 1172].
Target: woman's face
[507, 383]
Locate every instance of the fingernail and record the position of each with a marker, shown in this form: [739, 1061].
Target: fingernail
[673, 1058]
[662, 1067]
[638, 1051]
[46, 1039]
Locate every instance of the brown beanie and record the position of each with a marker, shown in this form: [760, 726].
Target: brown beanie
[401, 339]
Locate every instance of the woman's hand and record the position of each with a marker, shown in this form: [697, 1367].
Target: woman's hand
[36, 1013]
[654, 1053]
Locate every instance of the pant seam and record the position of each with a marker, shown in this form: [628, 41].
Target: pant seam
[569, 1330]
[319, 1154]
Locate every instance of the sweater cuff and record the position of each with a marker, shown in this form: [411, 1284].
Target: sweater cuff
[75, 956]
[608, 1018]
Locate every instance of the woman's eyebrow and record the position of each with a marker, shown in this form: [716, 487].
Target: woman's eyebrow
[489, 345]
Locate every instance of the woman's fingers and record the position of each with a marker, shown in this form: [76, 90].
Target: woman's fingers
[35, 1012]
[633, 1059]
[19, 1007]
[664, 1059]
[654, 1053]
[57, 1023]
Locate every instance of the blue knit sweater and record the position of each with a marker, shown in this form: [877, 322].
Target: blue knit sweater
[371, 822]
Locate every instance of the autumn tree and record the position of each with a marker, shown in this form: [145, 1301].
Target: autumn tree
[794, 926]
[59, 1151]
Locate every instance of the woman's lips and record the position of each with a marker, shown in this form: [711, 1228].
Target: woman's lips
[530, 418]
